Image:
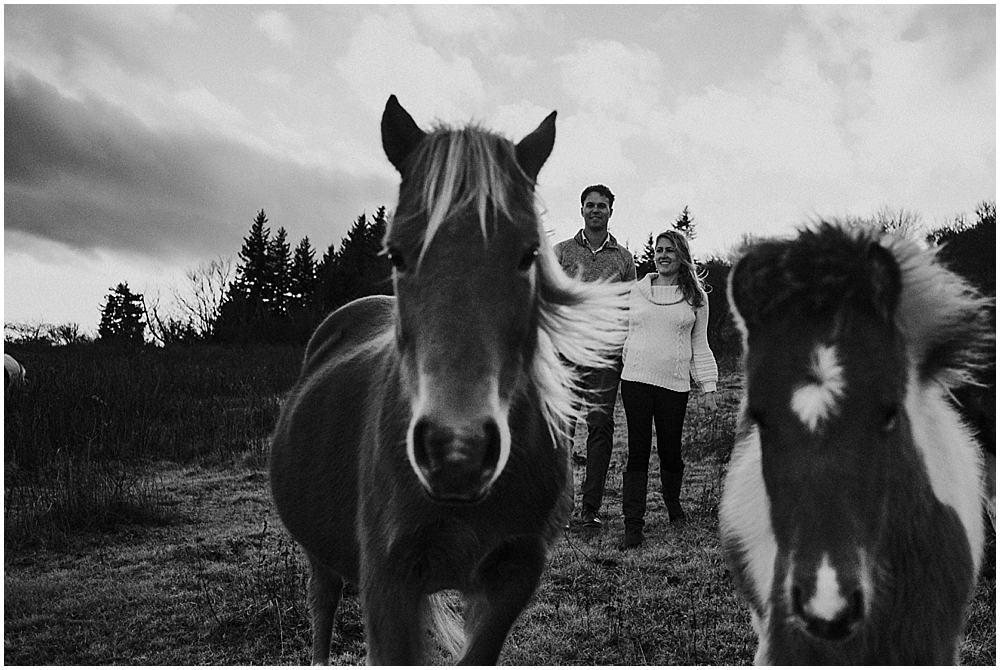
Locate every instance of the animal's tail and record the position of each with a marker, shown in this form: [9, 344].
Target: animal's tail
[446, 622]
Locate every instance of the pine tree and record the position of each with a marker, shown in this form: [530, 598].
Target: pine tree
[685, 224]
[347, 278]
[253, 276]
[644, 264]
[122, 317]
[379, 267]
[302, 276]
[279, 256]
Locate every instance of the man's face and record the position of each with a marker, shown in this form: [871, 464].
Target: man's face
[596, 211]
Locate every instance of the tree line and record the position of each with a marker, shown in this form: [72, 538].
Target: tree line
[278, 295]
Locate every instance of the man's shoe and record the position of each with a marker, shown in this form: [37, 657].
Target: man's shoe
[590, 519]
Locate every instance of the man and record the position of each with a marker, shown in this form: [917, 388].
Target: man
[592, 254]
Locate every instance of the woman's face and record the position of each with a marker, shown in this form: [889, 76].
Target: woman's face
[666, 256]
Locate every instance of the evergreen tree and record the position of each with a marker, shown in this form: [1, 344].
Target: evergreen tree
[685, 224]
[302, 276]
[379, 267]
[253, 276]
[345, 280]
[122, 318]
[279, 257]
[644, 264]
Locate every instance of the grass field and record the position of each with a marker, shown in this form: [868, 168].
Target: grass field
[201, 571]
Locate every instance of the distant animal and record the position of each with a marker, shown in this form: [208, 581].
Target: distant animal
[850, 515]
[423, 447]
[13, 373]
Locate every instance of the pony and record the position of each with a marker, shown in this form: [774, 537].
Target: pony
[422, 453]
[14, 373]
[850, 515]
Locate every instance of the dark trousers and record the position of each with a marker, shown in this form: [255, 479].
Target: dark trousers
[644, 405]
[602, 386]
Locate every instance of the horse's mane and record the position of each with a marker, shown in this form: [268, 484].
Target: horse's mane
[943, 320]
[580, 324]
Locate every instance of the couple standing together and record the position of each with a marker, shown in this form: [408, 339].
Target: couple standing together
[666, 347]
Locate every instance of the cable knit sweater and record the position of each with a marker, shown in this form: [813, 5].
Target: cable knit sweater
[667, 342]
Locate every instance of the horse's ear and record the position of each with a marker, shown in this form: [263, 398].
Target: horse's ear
[886, 281]
[534, 150]
[400, 133]
[753, 283]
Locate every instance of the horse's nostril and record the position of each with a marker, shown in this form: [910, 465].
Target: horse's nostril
[420, 447]
[492, 454]
[857, 606]
[797, 601]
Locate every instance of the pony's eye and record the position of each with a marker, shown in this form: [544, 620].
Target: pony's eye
[528, 259]
[397, 260]
[890, 419]
[757, 418]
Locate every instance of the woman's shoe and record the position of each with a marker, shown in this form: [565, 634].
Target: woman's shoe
[633, 537]
[672, 495]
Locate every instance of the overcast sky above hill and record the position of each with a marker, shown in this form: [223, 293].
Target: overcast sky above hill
[141, 140]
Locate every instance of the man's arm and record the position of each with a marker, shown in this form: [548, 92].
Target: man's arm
[629, 267]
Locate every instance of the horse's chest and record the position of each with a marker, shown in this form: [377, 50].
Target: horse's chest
[442, 555]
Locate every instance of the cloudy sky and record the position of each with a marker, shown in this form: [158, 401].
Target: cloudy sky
[139, 141]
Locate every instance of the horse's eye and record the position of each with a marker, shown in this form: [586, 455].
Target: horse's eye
[528, 259]
[397, 260]
[890, 419]
[757, 418]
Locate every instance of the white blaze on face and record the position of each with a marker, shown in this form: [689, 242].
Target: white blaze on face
[816, 400]
[827, 602]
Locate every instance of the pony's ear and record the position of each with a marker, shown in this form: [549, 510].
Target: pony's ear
[400, 133]
[753, 281]
[886, 281]
[534, 150]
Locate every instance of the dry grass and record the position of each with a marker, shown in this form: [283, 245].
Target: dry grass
[223, 584]
[210, 576]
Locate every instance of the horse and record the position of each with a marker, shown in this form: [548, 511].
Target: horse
[14, 373]
[850, 514]
[422, 453]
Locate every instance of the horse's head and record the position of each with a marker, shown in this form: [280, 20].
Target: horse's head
[826, 385]
[464, 243]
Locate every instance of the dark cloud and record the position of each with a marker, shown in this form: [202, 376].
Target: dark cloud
[87, 174]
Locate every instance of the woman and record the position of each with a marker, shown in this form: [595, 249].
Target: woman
[667, 346]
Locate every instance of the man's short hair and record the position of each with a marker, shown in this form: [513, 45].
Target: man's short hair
[600, 189]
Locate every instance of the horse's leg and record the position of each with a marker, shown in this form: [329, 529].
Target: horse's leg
[325, 589]
[394, 623]
[507, 580]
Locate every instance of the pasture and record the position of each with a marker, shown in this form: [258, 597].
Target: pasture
[139, 530]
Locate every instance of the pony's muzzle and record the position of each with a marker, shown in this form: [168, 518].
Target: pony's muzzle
[833, 627]
[456, 465]
[827, 606]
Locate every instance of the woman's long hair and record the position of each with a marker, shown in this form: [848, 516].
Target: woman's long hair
[690, 278]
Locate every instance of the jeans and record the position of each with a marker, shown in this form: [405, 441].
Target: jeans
[602, 384]
[644, 405]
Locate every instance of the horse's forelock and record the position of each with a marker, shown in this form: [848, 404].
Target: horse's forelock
[467, 167]
[825, 271]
